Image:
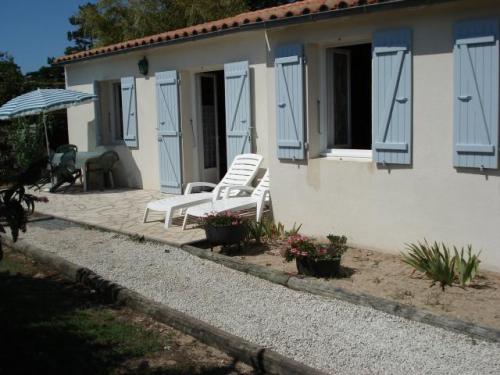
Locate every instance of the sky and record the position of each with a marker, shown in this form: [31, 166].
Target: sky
[32, 30]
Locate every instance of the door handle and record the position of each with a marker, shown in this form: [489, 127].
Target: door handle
[464, 98]
[401, 100]
[281, 105]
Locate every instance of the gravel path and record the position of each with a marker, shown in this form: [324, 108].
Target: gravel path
[327, 334]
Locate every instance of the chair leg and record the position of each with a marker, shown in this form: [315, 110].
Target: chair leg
[111, 180]
[146, 211]
[86, 176]
[185, 221]
[168, 218]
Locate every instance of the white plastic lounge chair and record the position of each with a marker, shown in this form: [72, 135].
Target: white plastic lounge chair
[241, 173]
[259, 198]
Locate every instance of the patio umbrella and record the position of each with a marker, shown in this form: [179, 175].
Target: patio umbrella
[42, 101]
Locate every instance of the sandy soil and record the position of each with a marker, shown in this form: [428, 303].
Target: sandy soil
[384, 275]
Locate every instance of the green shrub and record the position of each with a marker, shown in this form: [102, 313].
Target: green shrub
[466, 268]
[255, 230]
[27, 140]
[439, 264]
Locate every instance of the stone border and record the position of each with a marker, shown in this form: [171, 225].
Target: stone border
[322, 288]
[260, 358]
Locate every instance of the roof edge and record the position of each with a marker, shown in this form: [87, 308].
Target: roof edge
[325, 9]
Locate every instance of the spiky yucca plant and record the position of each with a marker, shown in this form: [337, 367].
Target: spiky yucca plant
[466, 268]
[438, 263]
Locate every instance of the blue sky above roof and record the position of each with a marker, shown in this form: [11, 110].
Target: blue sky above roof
[33, 30]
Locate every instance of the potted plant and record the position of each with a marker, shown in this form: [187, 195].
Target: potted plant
[316, 259]
[224, 228]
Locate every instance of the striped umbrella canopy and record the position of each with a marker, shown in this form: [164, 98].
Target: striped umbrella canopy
[42, 101]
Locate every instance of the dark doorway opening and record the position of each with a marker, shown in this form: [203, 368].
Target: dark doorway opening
[213, 159]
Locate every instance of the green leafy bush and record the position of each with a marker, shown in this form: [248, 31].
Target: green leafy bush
[28, 141]
[439, 264]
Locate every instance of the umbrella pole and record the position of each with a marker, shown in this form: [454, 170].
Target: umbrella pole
[46, 135]
[48, 147]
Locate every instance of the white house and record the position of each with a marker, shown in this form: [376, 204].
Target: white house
[378, 119]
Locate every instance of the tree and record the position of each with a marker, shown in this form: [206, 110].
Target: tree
[83, 36]
[112, 21]
[11, 78]
[11, 85]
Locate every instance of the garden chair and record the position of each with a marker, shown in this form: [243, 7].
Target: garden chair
[241, 173]
[258, 200]
[103, 166]
[66, 171]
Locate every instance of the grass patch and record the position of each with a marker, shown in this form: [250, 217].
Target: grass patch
[53, 326]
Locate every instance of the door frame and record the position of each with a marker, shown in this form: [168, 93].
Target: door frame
[199, 127]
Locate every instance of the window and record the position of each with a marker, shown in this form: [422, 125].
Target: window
[110, 112]
[348, 102]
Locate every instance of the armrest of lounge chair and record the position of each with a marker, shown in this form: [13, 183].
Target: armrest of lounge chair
[230, 189]
[191, 185]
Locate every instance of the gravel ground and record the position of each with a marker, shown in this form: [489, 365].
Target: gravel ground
[324, 333]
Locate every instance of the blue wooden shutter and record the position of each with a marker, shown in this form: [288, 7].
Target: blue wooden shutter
[476, 94]
[392, 96]
[288, 69]
[129, 110]
[169, 134]
[238, 115]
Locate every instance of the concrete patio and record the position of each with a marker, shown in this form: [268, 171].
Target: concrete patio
[118, 209]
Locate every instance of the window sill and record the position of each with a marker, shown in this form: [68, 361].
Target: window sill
[349, 155]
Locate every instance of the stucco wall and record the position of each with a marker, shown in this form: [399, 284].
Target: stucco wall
[384, 208]
[140, 166]
[380, 208]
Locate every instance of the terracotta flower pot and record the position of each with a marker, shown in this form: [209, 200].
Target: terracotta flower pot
[318, 268]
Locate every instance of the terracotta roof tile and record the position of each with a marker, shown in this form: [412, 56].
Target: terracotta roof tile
[298, 8]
